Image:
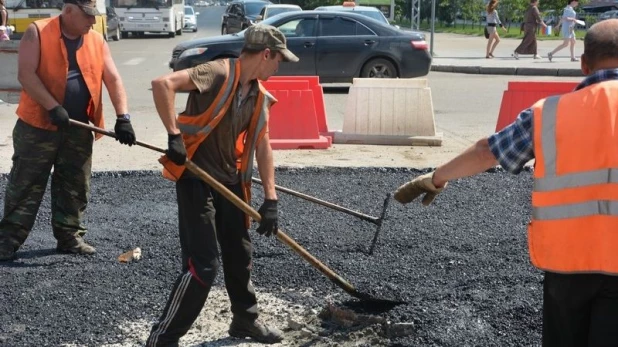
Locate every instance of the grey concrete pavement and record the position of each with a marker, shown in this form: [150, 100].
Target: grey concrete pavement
[466, 54]
[466, 107]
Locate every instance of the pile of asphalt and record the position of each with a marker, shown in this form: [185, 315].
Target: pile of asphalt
[460, 264]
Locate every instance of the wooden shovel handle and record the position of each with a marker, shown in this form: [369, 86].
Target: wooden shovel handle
[246, 208]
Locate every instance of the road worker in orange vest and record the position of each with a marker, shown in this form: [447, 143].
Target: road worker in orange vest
[62, 65]
[224, 123]
[573, 234]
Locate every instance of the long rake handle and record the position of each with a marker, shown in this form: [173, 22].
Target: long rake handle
[334, 277]
[360, 215]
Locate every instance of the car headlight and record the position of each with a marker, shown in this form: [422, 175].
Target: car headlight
[192, 51]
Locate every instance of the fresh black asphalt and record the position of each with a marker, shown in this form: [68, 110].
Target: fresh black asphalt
[461, 264]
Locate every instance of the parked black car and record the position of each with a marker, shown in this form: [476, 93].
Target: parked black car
[241, 14]
[336, 46]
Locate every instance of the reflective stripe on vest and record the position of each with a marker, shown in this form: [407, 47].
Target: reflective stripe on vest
[574, 226]
[551, 181]
[195, 129]
[222, 99]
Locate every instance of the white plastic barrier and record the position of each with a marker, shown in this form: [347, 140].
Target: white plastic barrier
[389, 112]
[10, 88]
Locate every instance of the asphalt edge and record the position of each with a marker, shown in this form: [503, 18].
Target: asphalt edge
[505, 70]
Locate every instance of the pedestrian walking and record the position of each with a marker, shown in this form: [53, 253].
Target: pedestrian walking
[532, 19]
[62, 66]
[567, 30]
[493, 20]
[225, 123]
[4, 22]
[572, 235]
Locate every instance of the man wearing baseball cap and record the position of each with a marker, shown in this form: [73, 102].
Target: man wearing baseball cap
[62, 67]
[225, 123]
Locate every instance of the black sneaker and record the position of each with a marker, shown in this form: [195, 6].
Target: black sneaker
[75, 246]
[259, 332]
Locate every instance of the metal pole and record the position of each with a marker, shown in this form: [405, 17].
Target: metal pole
[412, 14]
[433, 24]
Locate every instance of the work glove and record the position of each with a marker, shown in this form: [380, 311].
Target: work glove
[420, 185]
[124, 132]
[176, 151]
[59, 117]
[269, 224]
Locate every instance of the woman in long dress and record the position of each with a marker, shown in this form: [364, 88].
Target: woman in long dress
[567, 30]
[532, 19]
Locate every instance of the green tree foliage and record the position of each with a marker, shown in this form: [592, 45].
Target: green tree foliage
[472, 10]
[312, 4]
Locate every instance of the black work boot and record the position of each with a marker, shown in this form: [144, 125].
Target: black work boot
[75, 246]
[7, 251]
[242, 328]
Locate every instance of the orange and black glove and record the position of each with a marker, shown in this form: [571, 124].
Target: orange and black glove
[421, 185]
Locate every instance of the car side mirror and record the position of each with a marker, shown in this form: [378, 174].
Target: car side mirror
[197, 13]
[259, 17]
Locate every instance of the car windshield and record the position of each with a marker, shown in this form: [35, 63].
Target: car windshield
[254, 8]
[188, 11]
[269, 21]
[143, 3]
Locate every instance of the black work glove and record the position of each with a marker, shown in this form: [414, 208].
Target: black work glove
[59, 117]
[269, 224]
[124, 132]
[176, 149]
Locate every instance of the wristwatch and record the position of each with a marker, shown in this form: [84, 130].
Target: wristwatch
[124, 116]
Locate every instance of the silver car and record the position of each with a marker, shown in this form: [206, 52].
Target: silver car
[113, 27]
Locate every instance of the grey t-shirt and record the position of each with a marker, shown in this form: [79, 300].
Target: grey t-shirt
[216, 155]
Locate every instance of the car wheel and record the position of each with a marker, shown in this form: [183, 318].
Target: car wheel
[179, 32]
[116, 36]
[195, 30]
[379, 68]
[224, 30]
[172, 34]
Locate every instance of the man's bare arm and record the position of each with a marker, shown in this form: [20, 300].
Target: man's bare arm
[28, 63]
[113, 82]
[264, 157]
[164, 91]
[472, 161]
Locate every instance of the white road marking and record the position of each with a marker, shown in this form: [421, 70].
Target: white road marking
[134, 61]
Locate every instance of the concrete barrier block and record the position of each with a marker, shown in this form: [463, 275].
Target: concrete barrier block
[10, 87]
[389, 112]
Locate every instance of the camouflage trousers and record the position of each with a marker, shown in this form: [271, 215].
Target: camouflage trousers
[36, 151]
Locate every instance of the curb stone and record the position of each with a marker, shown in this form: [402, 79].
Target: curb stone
[501, 70]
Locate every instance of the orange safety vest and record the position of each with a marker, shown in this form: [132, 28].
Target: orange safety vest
[196, 128]
[53, 69]
[574, 227]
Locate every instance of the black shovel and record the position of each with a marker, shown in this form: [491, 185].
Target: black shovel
[246, 208]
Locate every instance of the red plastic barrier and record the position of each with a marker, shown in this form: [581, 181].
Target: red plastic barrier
[521, 95]
[318, 99]
[298, 117]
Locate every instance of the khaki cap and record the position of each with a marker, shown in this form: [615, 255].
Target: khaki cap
[262, 36]
[88, 6]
